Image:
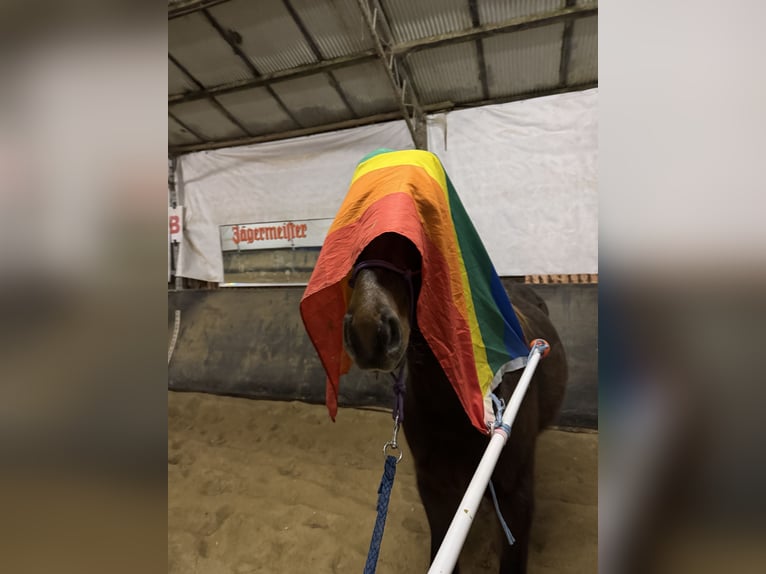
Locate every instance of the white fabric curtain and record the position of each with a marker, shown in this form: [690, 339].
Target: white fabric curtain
[526, 173]
[300, 178]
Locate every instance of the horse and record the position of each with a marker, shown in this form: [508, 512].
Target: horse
[380, 332]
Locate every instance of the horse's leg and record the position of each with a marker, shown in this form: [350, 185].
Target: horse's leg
[517, 506]
[440, 506]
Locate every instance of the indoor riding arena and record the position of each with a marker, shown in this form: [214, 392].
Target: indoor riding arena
[278, 111]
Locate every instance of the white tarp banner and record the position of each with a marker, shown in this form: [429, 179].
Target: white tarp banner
[526, 173]
[301, 178]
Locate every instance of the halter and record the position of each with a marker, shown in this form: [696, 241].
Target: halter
[399, 386]
[406, 273]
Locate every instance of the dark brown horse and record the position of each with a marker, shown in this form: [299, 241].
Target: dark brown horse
[381, 333]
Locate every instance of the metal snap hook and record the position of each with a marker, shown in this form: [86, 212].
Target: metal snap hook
[394, 447]
[393, 444]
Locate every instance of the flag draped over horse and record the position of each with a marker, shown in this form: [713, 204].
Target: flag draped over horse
[463, 311]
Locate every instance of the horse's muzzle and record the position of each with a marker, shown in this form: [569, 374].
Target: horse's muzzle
[373, 342]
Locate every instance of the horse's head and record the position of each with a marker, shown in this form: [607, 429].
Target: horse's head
[385, 282]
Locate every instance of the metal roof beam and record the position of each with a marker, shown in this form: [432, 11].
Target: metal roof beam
[512, 25]
[187, 148]
[213, 101]
[184, 7]
[227, 36]
[430, 108]
[266, 79]
[476, 22]
[402, 61]
[186, 126]
[567, 14]
[185, 71]
[566, 48]
[401, 83]
[539, 93]
[318, 55]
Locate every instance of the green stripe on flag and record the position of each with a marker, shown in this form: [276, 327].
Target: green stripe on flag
[478, 269]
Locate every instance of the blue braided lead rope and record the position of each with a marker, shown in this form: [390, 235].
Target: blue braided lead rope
[384, 493]
[499, 408]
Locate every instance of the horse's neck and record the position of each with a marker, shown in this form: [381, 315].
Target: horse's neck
[427, 384]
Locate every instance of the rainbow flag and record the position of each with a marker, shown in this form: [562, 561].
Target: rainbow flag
[463, 310]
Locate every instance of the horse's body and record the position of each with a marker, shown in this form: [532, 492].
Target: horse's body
[379, 333]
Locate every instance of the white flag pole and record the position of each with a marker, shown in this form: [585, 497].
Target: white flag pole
[448, 553]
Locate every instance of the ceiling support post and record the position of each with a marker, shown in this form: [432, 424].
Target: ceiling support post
[401, 84]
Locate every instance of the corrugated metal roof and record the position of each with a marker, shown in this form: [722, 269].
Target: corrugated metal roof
[231, 43]
[178, 82]
[583, 60]
[312, 100]
[270, 38]
[523, 61]
[202, 51]
[258, 111]
[205, 119]
[447, 73]
[496, 11]
[338, 29]
[367, 88]
[177, 135]
[411, 20]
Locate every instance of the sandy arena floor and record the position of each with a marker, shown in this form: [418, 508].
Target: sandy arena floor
[273, 487]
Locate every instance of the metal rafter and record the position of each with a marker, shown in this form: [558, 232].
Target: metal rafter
[444, 106]
[184, 7]
[476, 22]
[567, 14]
[227, 36]
[516, 97]
[400, 80]
[217, 105]
[186, 127]
[181, 149]
[266, 79]
[185, 72]
[404, 60]
[213, 101]
[393, 56]
[512, 25]
[566, 48]
[318, 55]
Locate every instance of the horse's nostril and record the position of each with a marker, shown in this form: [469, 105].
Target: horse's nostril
[394, 334]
